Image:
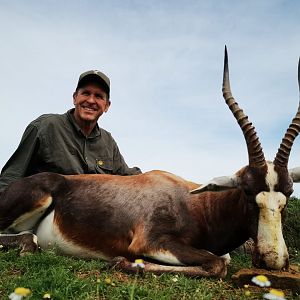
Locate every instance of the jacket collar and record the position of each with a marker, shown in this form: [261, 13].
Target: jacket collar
[95, 132]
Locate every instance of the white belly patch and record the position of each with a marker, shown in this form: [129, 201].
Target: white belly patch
[164, 256]
[50, 237]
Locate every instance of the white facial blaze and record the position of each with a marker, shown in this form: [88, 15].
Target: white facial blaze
[270, 239]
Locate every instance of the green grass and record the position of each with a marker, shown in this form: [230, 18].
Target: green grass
[291, 227]
[67, 278]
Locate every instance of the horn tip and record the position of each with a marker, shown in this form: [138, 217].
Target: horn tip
[299, 73]
[225, 64]
[226, 54]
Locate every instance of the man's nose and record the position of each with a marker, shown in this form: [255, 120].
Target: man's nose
[91, 98]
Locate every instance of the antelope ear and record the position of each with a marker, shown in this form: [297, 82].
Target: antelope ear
[295, 174]
[218, 184]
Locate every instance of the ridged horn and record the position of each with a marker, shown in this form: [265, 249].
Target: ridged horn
[255, 151]
[283, 153]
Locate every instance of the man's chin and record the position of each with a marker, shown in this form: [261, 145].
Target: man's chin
[90, 116]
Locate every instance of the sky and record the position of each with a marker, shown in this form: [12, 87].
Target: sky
[165, 62]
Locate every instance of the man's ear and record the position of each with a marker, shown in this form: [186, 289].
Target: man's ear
[107, 105]
[74, 97]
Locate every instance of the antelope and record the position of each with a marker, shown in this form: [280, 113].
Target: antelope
[177, 225]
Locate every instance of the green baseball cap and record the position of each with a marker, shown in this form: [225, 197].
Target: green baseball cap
[94, 75]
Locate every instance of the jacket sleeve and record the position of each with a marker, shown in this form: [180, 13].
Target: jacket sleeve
[120, 166]
[17, 166]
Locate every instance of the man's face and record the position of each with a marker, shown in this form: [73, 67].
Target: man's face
[90, 103]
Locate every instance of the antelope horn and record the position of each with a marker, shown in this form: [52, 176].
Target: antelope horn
[283, 153]
[255, 152]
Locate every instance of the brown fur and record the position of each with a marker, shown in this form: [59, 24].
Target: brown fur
[144, 214]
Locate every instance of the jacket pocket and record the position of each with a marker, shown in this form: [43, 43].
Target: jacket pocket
[104, 166]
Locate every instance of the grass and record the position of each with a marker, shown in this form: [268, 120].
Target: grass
[291, 227]
[68, 278]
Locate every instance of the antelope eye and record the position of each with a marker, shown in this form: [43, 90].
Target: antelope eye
[248, 190]
[287, 189]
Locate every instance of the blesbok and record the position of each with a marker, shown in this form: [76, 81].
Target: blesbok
[158, 215]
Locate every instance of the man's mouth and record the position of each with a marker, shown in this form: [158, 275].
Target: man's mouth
[88, 108]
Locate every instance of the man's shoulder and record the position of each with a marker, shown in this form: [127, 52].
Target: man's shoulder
[48, 119]
[104, 131]
[106, 135]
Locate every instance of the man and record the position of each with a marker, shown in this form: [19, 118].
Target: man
[71, 143]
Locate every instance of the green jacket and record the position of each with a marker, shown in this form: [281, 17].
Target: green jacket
[55, 143]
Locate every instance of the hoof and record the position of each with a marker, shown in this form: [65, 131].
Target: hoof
[118, 262]
[27, 241]
[219, 269]
[124, 265]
